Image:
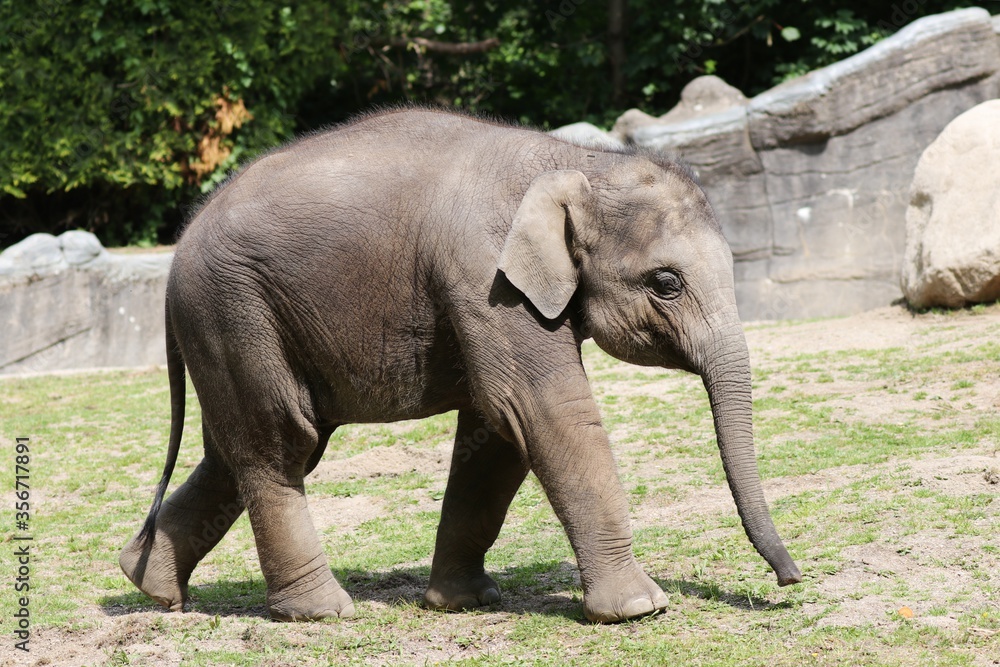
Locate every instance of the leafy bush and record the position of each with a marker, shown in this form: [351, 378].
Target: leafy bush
[116, 114]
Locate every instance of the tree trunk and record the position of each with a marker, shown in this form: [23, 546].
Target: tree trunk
[616, 48]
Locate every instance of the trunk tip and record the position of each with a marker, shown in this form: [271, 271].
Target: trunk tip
[789, 575]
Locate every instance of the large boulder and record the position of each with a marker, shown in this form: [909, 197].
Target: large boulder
[953, 222]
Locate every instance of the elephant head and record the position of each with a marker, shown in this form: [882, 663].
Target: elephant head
[637, 249]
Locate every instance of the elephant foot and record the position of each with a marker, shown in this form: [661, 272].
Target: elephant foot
[154, 573]
[619, 598]
[310, 602]
[460, 593]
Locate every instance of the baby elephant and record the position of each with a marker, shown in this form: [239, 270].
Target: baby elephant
[415, 262]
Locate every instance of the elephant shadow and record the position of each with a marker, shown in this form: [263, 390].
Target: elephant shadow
[550, 588]
[711, 591]
[539, 588]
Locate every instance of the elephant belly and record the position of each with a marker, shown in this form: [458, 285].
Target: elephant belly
[410, 379]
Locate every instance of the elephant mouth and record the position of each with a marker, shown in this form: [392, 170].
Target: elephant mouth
[652, 346]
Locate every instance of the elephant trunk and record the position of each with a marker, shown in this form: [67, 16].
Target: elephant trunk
[726, 374]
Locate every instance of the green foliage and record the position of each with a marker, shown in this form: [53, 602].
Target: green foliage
[117, 115]
[133, 107]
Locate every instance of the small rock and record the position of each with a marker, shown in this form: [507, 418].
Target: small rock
[703, 96]
[629, 122]
[79, 247]
[585, 134]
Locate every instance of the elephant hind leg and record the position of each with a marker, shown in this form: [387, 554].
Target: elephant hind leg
[190, 523]
[272, 448]
[486, 472]
[260, 415]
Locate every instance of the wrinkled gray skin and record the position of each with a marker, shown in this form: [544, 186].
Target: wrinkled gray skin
[416, 262]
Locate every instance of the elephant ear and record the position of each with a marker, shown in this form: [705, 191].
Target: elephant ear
[537, 258]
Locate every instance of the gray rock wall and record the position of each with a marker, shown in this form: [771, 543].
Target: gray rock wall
[811, 178]
[66, 302]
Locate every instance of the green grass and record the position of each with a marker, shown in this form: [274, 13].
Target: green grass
[872, 525]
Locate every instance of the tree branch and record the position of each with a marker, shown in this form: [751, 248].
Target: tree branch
[450, 48]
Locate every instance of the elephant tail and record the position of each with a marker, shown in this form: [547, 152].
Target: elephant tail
[178, 388]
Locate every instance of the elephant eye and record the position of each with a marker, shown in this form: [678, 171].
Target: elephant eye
[666, 283]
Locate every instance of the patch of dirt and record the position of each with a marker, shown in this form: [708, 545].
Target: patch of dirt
[343, 513]
[879, 329]
[136, 636]
[335, 514]
[960, 475]
[385, 462]
[924, 575]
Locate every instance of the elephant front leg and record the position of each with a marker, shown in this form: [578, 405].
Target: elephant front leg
[190, 523]
[486, 472]
[571, 455]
